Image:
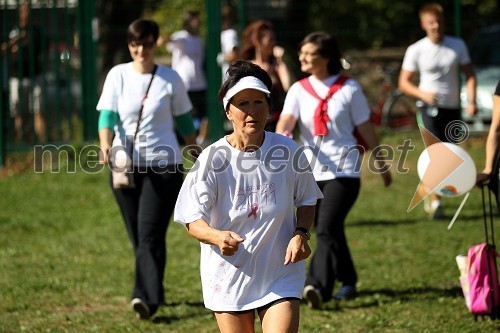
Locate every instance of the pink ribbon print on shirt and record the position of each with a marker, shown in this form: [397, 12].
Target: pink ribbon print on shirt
[254, 208]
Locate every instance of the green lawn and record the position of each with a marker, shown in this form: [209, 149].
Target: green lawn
[66, 264]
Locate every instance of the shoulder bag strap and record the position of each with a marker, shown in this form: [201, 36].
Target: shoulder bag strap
[142, 104]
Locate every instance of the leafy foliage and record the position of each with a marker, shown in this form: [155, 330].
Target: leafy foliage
[365, 24]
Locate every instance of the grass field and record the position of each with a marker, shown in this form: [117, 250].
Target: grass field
[66, 264]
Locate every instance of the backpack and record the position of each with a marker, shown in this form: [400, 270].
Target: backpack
[336, 85]
[480, 281]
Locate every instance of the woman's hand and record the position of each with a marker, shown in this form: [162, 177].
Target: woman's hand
[228, 243]
[482, 178]
[298, 249]
[104, 153]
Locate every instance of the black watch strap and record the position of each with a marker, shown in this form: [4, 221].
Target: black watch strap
[304, 231]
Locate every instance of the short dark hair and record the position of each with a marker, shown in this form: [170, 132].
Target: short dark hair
[239, 69]
[328, 48]
[188, 17]
[141, 29]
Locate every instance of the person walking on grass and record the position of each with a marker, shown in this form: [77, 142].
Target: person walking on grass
[140, 104]
[437, 58]
[327, 132]
[239, 201]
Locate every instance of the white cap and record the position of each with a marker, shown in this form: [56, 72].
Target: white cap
[247, 82]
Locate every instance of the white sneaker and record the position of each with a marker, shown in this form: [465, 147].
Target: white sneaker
[141, 309]
[427, 205]
[436, 210]
[313, 297]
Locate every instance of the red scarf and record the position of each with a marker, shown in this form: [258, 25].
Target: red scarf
[321, 112]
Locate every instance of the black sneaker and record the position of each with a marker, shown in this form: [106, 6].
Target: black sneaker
[345, 292]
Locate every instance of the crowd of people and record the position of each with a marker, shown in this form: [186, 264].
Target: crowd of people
[253, 197]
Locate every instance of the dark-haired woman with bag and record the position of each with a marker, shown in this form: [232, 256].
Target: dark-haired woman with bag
[140, 105]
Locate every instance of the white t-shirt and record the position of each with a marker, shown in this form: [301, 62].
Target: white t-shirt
[336, 156]
[123, 91]
[188, 55]
[438, 66]
[228, 41]
[240, 192]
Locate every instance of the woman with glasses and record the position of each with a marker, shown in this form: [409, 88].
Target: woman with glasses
[140, 105]
[327, 122]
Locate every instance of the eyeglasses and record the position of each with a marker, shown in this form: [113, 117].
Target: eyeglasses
[308, 54]
[146, 45]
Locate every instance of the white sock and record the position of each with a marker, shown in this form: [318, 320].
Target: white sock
[435, 204]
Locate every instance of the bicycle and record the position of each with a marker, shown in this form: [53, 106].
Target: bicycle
[394, 110]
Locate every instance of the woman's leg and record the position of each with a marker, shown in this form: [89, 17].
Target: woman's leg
[230, 322]
[332, 259]
[281, 317]
[156, 204]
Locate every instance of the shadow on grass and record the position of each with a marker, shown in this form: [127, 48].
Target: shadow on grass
[377, 297]
[371, 223]
[191, 310]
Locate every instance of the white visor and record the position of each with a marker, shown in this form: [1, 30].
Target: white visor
[248, 82]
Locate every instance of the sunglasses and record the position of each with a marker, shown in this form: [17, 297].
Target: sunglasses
[146, 45]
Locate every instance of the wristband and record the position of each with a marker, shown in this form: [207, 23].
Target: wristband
[304, 231]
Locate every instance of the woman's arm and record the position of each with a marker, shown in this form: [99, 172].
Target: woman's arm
[491, 141]
[367, 132]
[107, 121]
[298, 249]
[286, 124]
[282, 69]
[227, 241]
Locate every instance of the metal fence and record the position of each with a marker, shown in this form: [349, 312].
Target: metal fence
[47, 81]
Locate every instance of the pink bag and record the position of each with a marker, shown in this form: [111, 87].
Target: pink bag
[480, 279]
[480, 285]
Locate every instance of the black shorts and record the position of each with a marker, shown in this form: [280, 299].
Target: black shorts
[437, 123]
[267, 306]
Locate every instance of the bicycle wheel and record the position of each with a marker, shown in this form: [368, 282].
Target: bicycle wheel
[399, 112]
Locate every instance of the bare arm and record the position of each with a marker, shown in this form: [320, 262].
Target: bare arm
[367, 132]
[408, 87]
[105, 137]
[226, 241]
[282, 69]
[298, 249]
[286, 124]
[470, 85]
[491, 142]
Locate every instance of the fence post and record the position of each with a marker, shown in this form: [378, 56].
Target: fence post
[88, 38]
[214, 74]
[3, 100]
[2, 126]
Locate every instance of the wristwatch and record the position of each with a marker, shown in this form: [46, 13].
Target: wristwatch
[304, 231]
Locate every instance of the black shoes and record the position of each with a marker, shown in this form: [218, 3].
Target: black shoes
[345, 292]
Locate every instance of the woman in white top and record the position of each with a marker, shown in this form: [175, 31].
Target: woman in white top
[331, 146]
[238, 201]
[156, 157]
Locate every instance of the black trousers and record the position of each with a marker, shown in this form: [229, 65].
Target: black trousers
[146, 210]
[438, 124]
[332, 260]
